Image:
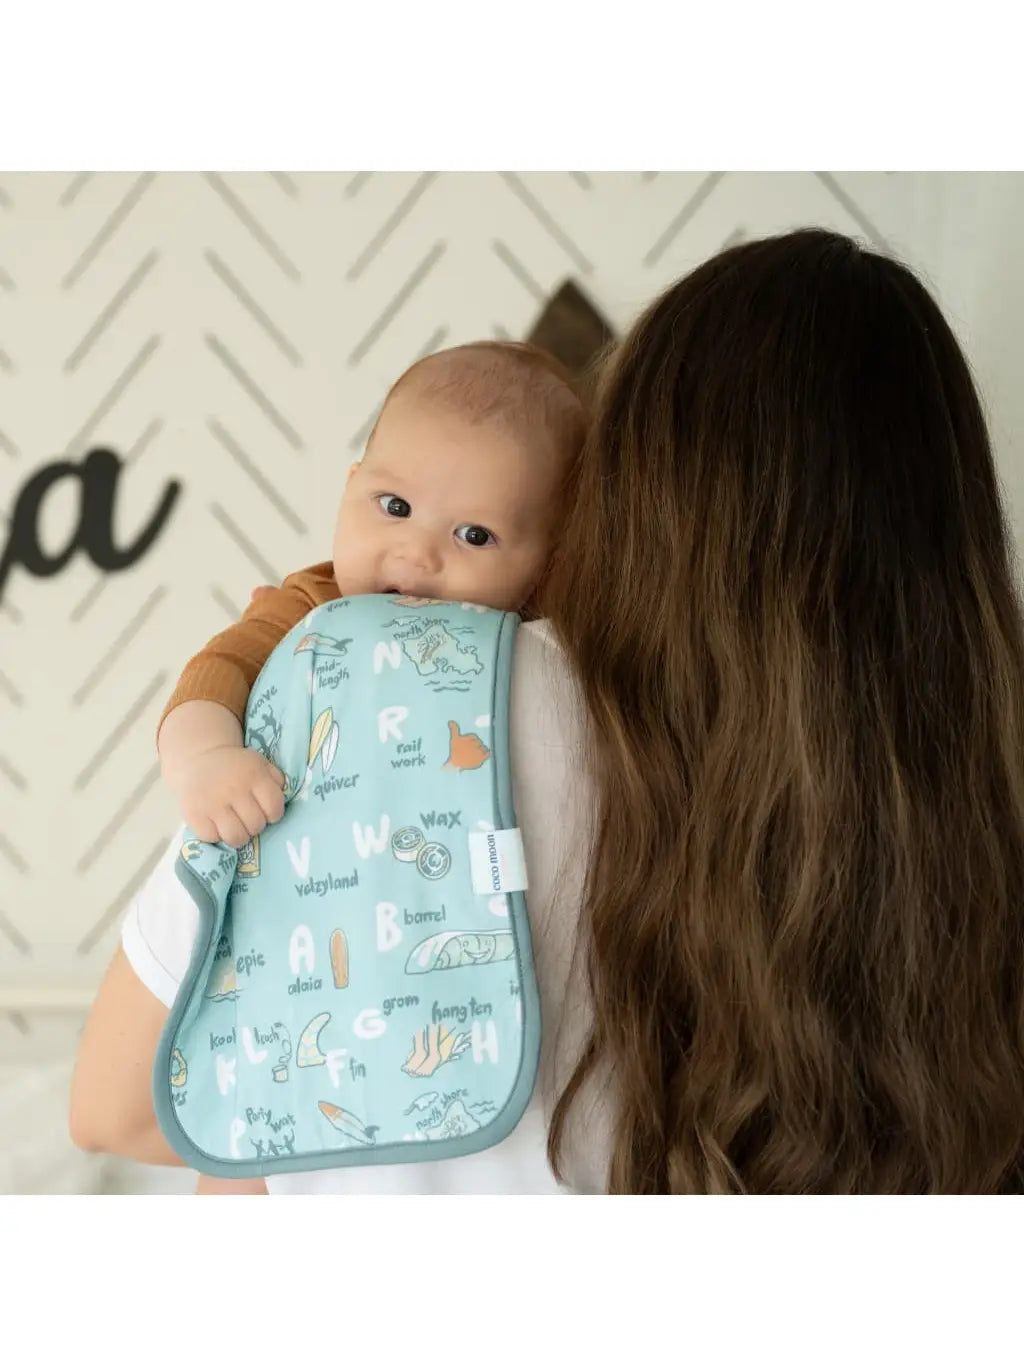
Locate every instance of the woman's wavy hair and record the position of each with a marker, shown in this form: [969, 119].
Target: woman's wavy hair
[787, 586]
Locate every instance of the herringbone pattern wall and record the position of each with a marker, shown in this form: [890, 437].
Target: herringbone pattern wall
[237, 333]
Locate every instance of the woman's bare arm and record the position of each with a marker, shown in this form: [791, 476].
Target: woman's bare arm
[111, 1090]
[211, 1184]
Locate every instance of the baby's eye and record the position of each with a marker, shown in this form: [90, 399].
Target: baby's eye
[474, 535]
[393, 506]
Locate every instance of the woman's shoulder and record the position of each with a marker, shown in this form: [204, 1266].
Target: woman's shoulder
[538, 634]
[546, 740]
[555, 808]
[551, 792]
[546, 702]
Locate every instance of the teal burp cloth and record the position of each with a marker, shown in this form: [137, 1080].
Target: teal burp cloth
[362, 988]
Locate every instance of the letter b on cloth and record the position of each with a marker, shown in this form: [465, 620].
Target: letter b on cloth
[388, 933]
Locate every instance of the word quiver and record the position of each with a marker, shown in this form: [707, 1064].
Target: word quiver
[361, 988]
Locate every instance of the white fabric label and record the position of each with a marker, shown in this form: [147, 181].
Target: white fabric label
[496, 861]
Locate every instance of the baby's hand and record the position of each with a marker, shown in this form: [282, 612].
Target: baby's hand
[228, 794]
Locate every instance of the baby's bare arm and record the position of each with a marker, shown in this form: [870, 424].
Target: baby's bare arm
[227, 793]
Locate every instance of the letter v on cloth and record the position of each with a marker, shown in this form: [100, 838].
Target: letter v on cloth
[362, 987]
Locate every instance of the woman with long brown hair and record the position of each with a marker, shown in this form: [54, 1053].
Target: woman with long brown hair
[786, 586]
[771, 786]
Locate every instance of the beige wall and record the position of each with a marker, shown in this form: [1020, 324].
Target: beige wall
[237, 334]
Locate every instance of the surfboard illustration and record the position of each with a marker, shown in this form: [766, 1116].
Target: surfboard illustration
[348, 1123]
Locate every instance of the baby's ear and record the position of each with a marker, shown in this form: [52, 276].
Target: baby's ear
[351, 470]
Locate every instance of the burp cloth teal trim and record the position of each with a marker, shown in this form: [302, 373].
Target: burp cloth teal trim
[361, 989]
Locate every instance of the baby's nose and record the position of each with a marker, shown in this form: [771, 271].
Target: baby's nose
[419, 552]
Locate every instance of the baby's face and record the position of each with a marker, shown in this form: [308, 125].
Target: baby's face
[442, 507]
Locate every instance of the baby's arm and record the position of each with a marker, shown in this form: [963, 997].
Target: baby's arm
[226, 792]
[211, 1184]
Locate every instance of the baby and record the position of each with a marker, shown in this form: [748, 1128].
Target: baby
[457, 497]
